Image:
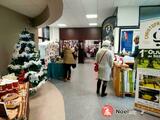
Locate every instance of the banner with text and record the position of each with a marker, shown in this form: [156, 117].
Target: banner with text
[150, 34]
[147, 97]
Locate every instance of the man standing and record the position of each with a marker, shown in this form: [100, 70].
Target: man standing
[136, 51]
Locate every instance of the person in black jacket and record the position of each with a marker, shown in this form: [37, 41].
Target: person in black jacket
[136, 50]
[135, 55]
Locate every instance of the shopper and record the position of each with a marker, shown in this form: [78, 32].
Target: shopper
[104, 58]
[81, 52]
[68, 60]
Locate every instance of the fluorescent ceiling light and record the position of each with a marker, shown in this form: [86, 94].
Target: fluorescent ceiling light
[62, 25]
[93, 24]
[91, 16]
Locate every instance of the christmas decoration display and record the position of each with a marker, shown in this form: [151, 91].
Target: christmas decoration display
[52, 52]
[21, 77]
[8, 84]
[26, 62]
[10, 77]
[49, 50]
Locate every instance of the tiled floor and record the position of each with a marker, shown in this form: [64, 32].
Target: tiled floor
[82, 103]
[47, 104]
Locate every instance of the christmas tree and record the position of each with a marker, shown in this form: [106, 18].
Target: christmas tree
[26, 62]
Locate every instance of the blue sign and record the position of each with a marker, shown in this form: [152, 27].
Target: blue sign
[127, 41]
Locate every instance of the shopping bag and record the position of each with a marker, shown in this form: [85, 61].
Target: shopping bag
[96, 67]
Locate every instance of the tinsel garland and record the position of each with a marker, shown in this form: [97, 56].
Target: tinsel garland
[39, 74]
[23, 54]
[29, 73]
[34, 89]
[15, 67]
[26, 65]
[27, 42]
[25, 36]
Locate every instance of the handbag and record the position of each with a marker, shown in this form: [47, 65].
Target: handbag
[96, 65]
[73, 66]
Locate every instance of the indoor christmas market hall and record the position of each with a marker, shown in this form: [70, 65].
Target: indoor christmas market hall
[80, 60]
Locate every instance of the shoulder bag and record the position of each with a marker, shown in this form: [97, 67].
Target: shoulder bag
[96, 65]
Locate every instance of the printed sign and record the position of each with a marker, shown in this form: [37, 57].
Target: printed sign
[148, 67]
[148, 90]
[150, 34]
[149, 58]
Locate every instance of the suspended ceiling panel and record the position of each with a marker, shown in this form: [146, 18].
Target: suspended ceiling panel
[136, 2]
[75, 10]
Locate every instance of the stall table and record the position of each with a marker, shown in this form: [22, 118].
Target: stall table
[117, 78]
[55, 70]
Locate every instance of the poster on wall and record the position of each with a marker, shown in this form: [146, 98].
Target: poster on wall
[107, 27]
[127, 39]
[150, 34]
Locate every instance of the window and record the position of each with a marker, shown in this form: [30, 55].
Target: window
[43, 34]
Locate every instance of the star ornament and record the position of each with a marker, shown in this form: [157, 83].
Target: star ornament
[107, 110]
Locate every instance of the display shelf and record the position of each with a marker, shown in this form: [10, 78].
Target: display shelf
[150, 88]
[147, 109]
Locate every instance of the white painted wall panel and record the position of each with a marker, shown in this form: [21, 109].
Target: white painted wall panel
[128, 16]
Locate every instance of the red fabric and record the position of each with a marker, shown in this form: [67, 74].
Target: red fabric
[96, 66]
[21, 78]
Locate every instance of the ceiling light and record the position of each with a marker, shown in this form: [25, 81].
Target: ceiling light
[62, 25]
[91, 16]
[93, 24]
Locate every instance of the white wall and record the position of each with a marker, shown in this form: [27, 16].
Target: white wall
[128, 16]
[116, 39]
[11, 25]
[54, 34]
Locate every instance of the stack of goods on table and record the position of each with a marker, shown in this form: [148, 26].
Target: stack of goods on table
[51, 52]
[12, 95]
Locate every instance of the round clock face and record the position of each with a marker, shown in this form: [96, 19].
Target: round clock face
[108, 29]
